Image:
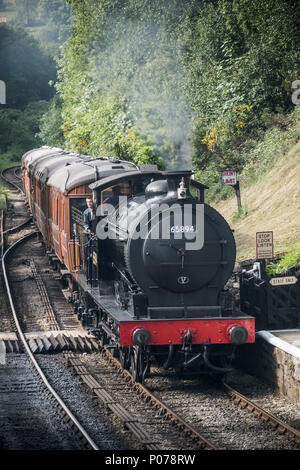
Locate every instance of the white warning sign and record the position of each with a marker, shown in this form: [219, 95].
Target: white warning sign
[229, 177]
[264, 245]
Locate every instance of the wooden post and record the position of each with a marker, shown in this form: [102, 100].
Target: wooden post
[238, 194]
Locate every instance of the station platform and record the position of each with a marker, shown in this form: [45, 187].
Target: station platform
[286, 340]
[275, 359]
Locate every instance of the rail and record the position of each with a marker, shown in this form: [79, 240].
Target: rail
[277, 424]
[14, 184]
[91, 444]
[151, 399]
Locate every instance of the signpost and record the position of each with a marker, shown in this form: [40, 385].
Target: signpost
[264, 245]
[229, 178]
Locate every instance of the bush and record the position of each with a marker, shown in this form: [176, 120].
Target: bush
[292, 258]
[19, 130]
[50, 124]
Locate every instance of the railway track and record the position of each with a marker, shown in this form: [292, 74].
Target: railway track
[127, 419]
[13, 180]
[11, 176]
[79, 430]
[133, 423]
[277, 424]
[105, 389]
[81, 435]
[114, 394]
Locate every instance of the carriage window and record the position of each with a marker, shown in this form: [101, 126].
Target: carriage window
[61, 210]
[55, 208]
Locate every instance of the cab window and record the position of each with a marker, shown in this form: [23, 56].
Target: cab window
[111, 195]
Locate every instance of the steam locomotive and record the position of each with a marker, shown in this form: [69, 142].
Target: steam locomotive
[146, 265]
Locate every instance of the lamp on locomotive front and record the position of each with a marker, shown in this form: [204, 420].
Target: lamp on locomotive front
[181, 190]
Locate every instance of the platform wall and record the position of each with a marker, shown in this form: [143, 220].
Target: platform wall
[272, 365]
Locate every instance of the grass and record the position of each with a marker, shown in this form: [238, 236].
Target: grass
[272, 201]
[2, 202]
[241, 213]
[260, 155]
[3, 191]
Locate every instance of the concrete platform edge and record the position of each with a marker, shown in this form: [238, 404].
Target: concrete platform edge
[279, 343]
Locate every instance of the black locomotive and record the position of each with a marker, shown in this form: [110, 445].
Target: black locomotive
[148, 275]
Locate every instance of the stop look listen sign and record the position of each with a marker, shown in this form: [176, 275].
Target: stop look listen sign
[264, 245]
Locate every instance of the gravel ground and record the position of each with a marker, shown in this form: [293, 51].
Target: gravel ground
[168, 437]
[17, 212]
[106, 432]
[29, 419]
[265, 397]
[28, 302]
[27, 415]
[207, 407]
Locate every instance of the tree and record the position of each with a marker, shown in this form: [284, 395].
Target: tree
[26, 12]
[25, 69]
[19, 130]
[51, 122]
[157, 76]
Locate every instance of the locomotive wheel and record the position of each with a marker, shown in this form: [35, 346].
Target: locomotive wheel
[139, 364]
[124, 356]
[135, 368]
[113, 350]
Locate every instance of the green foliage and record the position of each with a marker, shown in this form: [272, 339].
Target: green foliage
[172, 80]
[292, 258]
[179, 83]
[282, 131]
[48, 21]
[24, 10]
[26, 72]
[120, 68]
[50, 124]
[24, 68]
[251, 60]
[242, 212]
[18, 129]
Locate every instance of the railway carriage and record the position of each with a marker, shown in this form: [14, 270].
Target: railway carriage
[146, 297]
